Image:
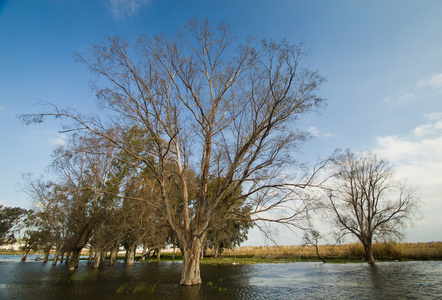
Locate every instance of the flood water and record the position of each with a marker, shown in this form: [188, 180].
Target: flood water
[304, 280]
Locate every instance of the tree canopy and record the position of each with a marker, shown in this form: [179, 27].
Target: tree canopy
[9, 219]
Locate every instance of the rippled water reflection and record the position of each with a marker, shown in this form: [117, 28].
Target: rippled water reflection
[394, 280]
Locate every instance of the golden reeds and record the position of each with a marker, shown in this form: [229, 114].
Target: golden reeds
[355, 251]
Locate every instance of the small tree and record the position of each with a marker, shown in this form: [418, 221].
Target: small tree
[312, 237]
[366, 201]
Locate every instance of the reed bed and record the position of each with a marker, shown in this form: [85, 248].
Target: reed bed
[354, 251]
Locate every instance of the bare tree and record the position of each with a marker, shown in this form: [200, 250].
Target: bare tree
[208, 106]
[312, 237]
[366, 201]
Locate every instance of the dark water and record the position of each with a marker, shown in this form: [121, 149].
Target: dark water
[394, 280]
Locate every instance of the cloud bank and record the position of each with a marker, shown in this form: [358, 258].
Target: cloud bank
[418, 158]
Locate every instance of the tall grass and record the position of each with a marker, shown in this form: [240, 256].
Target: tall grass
[355, 251]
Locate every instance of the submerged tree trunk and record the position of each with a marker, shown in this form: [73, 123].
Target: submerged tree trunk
[91, 255]
[130, 255]
[68, 256]
[368, 253]
[75, 257]
[144, 253]
[25, 254]
[47, 249]
[113, 254]
[190, 273]
[97, 258]
[57, 253]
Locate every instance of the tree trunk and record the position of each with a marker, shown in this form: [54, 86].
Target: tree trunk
[144, 253]
[317, 253]
[25, 254]
[103, 256]
[190, 273]
[113, 254]
[47, 249]
[75, 257]
[57, 253]
[91, 255]
[368, 253]
[97, 258]
[68, 256]
[173, 253]
[130, 256]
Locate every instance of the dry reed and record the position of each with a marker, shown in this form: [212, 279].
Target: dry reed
[381, 250]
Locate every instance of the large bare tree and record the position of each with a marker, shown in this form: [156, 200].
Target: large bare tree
[208, 107]
[366, 201]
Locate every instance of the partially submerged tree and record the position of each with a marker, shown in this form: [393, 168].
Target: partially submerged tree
[364, 199]
[71, 207]
[209, 107]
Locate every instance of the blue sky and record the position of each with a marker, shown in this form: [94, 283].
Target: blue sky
[382, 60]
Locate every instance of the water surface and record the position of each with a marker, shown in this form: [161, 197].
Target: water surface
[151, 280]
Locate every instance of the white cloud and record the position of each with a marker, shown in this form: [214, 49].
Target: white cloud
[400, 98]
[434, 127]
[60, 140]
[50, 137]
[424, 155]
[433, 81]
[329, 134]
[434, 116]
[316, 133]
[122, 9]
[313, 131]
[406, 97]
[418, 158]
[425, 88]
[428, 129]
